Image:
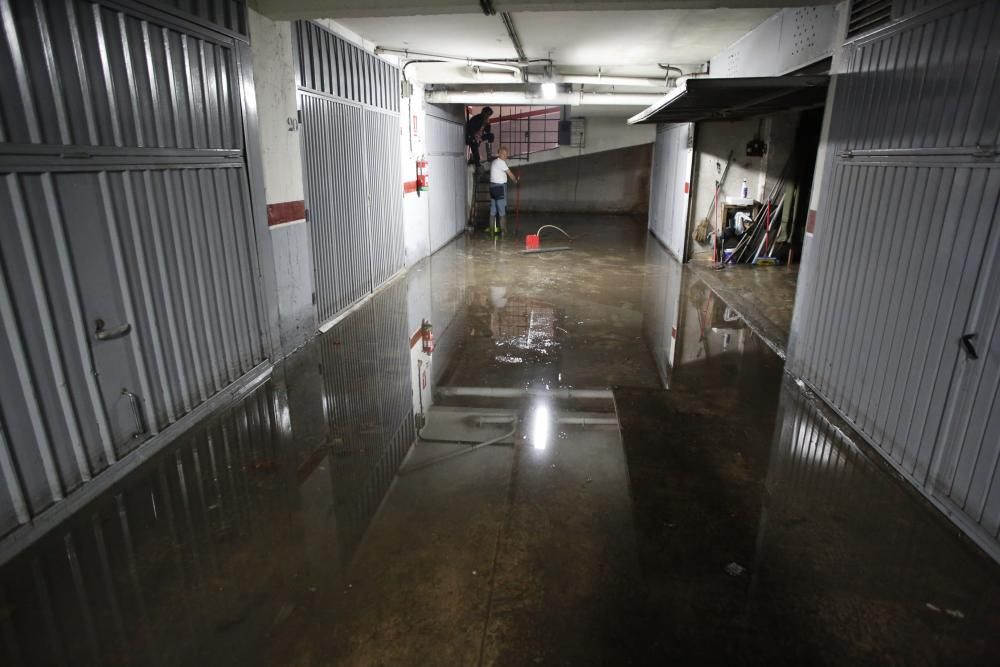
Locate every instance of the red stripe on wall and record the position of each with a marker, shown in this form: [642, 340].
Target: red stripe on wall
[415, 338]
[287, 211]
[409, 186]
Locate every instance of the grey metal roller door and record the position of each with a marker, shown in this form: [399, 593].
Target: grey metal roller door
[903, 261]
[668, 197]
[351, 163]
[129, 290]
[446, 166]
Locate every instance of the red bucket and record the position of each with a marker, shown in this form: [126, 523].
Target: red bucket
[531, 242]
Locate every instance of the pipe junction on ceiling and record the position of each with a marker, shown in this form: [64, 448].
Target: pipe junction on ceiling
[519, 70]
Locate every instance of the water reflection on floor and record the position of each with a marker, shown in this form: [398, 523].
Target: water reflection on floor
[728, 520]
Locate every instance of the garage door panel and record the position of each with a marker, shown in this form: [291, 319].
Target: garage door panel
[668, 205]
[903, 260]
[91, 75]
[351, 167]
[911, 105]
[446, 164]
[133, 296]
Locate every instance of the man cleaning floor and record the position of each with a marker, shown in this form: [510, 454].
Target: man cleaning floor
[499, 171]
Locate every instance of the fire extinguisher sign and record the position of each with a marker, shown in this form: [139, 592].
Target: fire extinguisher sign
[423, 179]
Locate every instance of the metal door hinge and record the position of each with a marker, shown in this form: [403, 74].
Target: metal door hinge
[314, 298]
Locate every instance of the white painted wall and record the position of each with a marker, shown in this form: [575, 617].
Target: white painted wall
[788, 40]
[416, 217]
[601, 133]
[714, 142]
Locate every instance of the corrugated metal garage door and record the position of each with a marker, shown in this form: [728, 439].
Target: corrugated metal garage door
[668, 196]
[904, 259]
[129, 290]
[352, 166]
[446, 164]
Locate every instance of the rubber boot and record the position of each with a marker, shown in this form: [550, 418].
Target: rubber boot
[503, 225]
[493, 230]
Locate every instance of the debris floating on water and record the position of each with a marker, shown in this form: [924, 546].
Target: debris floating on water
[734, 569]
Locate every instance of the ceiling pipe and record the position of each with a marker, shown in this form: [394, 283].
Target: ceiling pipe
[601, 80]
[520, 75]
[671, 68]
[463, 76]
[425, 56]
[575, 98]
[518, 69]
[515, 39]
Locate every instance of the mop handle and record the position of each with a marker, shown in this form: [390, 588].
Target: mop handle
[517, 205]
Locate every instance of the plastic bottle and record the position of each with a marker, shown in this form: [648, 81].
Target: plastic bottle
[744, 189]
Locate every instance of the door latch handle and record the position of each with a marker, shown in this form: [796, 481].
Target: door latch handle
[140, 427]
[110, 334]
[970, 349]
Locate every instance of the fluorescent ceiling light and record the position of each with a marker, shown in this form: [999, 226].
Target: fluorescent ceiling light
[548, 90]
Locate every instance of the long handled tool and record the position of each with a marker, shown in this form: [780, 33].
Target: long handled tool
[517, 206]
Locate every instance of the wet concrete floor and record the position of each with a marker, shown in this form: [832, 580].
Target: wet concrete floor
[728, 520]
[764, 295]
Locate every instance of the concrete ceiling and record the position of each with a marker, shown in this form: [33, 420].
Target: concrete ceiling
[619, 41]
[339, 9]
[634, 38]
[468, 35]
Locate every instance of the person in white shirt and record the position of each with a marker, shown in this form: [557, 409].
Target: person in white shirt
[499, 171]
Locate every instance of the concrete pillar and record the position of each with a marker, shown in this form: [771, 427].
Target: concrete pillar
[274, 79]
[806, 277]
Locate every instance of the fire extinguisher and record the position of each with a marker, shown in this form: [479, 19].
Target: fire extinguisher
[423, 179]
[427, 336]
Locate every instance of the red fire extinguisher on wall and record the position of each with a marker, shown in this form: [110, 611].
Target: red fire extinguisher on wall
[427, 336]
[423, 179]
